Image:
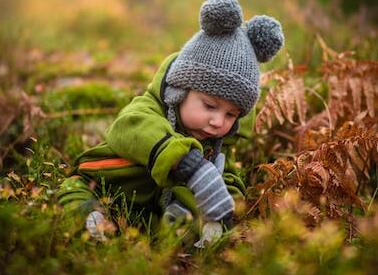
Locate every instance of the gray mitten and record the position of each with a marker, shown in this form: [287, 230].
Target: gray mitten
[219, 162]
[207, 185]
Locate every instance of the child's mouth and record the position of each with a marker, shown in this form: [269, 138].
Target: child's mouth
[205, 134]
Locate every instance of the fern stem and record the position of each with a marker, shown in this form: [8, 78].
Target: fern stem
[372, 199]
[315, 93]
[374, 195]
[258, 201]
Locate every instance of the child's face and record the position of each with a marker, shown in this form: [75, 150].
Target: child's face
[205, 116]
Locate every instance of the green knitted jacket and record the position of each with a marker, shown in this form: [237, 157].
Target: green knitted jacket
[139, 150]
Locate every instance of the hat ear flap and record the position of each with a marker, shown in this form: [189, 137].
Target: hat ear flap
[172, 97]
[266, 36]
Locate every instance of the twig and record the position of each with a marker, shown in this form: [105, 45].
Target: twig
[375, 193]
[326, 50]
[284, 135]
[82, 112]
[183, 258]
[283, 154]
[10, 147]
[257, 202]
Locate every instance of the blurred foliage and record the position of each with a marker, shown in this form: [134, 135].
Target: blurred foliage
[160, 26]
[86, 96]
[67, 68]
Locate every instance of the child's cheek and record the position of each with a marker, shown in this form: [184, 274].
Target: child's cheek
[227, 128]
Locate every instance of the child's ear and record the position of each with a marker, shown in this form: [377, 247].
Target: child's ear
[266, 36]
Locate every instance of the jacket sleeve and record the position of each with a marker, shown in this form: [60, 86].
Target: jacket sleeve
[142, 134]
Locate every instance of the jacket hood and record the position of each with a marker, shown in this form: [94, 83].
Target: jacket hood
[158, 84]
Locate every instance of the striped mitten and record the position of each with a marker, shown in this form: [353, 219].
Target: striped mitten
[219, 162]
[207, 185]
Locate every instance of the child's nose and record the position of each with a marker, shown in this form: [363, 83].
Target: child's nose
[217, 120]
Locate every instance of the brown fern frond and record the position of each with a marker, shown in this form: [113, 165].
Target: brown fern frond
[273, 104]
[313, 215]
[352, 94]
[317, 174]
[327, 177]
[339, 105]
[278, 170]
[308, 139]
[336, 148]
[284, 101]
[271, 189]
[270, 110]
[271, 169]
[370, 91]
[303, 159]
[353, 87]
[300, 101]
[291, 99]
[361, 144]
[334, 157]
[284, 166]
[357, 158]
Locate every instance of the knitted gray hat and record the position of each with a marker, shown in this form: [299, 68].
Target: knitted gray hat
[222, 58]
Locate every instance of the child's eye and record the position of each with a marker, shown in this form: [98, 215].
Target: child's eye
[231, 115]
[209, 106]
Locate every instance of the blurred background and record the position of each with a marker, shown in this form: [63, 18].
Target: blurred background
[154, 28]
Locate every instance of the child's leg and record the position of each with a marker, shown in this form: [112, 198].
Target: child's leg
[78, 200]
[76, 197]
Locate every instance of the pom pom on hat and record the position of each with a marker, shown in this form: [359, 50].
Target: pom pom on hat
[266, 36]
[220, 16]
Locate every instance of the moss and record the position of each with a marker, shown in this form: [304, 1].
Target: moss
[86, 96]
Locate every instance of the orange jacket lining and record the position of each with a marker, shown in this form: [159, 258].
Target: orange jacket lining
[106, 163]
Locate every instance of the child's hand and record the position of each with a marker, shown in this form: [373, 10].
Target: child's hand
[211, 192]
[211, 232]
[206, 182]
[95, 224]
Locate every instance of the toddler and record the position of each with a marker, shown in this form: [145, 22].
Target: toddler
[163, 152]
